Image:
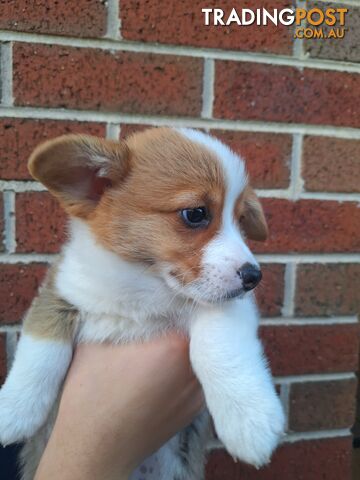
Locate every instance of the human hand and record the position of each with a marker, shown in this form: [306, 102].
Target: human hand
[120, 404]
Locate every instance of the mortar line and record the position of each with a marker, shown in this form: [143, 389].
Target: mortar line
[341, 197]
[27, 258]
[353, 3]
[288, 307]
[208, 88]
[234, 125]
[298, 45]
[296, 437]
[112, 131]
[315, 377]
[113, 30]
[11, 343]
[10, 221]
[296, 181]
[6, 74]
[21, 186]
[298, 321]
[285, 400]
[308, 257]
[288, 194]
[318, 435]
[320, 258]
[9, 328]
[198, 52]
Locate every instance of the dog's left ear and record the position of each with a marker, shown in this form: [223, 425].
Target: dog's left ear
[78, 169]
[254, 222]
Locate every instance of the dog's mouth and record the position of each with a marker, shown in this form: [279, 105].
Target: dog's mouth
[216, 299]
[192, 293]
[239, 292]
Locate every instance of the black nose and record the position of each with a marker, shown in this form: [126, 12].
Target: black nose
[250, 275]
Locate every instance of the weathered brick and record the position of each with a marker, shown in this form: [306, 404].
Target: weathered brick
[84, 78]
[18, 286]
[19, 136]
[346, 48]
[310, 226]
[328, 459]
[327, 289]
[322, 405]
[82, 18]
[270, 292]
[252, 91]
[295, 350]
[3, 363]
[40, 223]
[2, 223]
[183, 23]
[331, 164]
[267, 156]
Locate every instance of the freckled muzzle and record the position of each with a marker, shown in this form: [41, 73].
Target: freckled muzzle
[250, 275]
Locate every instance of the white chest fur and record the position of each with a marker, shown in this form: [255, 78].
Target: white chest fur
[117, 300]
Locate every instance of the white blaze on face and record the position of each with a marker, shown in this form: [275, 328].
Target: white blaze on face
[227, 252]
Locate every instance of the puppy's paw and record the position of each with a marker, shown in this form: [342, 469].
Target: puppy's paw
[19, 419]
[251, 429]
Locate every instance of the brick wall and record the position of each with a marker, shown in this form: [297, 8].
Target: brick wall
[290, 107]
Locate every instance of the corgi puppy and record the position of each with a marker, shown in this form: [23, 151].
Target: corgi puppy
[157, 242]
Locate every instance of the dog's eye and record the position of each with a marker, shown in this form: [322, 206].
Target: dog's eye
[195, 217]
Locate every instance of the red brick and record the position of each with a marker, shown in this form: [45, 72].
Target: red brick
[322, 405]
[295, 350]
[345, 49]
[2, 223]
[267, 156]
[328, 459]
[327, 289]
[40, 223]
[183, 23]
[18, 286]
[83, 78]
[331, 164]
[3, 363]
[19, 136]
[253, 91]
[81, 18]
[310, 226]
[270, 292]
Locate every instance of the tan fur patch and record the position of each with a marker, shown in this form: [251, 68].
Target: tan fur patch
[248, 211]
[77, 168]
[139, 219]
[50, 317]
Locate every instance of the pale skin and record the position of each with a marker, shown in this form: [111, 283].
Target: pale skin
[119, 405]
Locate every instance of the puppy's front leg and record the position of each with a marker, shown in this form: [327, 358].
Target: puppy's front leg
[41, 361]
[32, 386]
[227, 357]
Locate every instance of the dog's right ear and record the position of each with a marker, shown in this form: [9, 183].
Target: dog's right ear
[78, 169]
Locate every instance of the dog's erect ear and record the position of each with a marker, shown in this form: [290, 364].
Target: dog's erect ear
[254, 222]
[77, 169]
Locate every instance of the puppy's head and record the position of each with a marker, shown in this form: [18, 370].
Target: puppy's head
[175, 200]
